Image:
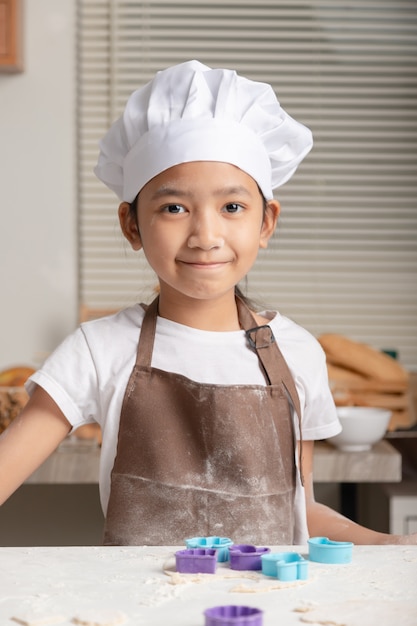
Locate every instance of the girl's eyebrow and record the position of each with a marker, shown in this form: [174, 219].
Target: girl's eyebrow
[232, 190]
[167, 190]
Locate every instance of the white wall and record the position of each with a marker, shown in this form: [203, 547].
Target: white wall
[38, 221]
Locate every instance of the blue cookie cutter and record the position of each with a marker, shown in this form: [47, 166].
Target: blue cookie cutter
[196, 561]
[233, 615]
[246, 557]
[324, 550]
[285, 566]
[221, 544]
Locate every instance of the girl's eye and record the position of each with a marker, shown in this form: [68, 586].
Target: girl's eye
[174, 208]
[233, 207]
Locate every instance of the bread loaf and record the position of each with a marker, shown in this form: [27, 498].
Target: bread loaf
[12, 401]
[359, 375]
[391, 401]
[361, 358]
[15, 376]
[13, 396]
[341, 379]
[401, 419]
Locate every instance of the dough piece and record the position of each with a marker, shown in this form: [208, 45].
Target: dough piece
[39, 620]
[265, 588]
[260, 585]
[176, 578]
[100, 618]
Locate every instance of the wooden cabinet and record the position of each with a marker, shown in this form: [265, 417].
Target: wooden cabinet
[11, 36]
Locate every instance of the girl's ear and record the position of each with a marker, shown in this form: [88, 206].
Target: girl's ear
[269, 223]
[128, 224]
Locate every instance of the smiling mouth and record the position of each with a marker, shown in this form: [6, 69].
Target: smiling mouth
[205, 264]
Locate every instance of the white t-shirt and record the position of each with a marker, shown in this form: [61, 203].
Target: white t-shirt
[88, 373]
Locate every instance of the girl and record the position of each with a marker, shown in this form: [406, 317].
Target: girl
[209, 410]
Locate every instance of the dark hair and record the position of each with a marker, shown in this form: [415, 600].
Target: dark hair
[250, 302]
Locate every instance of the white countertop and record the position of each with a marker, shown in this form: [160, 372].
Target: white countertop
[378, 587]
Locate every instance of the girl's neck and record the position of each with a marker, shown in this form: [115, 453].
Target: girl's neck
[218, 314]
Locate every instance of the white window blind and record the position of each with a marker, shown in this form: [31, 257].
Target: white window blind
[344, 257]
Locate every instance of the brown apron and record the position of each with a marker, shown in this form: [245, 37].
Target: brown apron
[196, 459]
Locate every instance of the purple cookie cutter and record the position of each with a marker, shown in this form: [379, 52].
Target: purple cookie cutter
[196, 561]
[232, 615]
[246, 557]
[285, 566]
[221, 544]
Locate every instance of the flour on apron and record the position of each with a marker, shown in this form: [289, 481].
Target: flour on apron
[196, 459]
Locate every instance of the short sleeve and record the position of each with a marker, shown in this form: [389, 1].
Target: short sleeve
[307, 362]
[69, 376]
[320, 419]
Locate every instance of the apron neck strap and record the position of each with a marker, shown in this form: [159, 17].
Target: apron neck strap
[260, 339]
[147, 334]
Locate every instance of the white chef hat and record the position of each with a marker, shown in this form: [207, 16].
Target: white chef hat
[190, 112]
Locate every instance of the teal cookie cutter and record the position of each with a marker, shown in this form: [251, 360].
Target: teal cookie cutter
[324, 550]
[220, 544]
[285, 566]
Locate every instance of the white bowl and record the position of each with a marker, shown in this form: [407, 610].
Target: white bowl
[362, 427]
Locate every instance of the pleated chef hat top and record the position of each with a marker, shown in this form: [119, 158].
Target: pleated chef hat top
[190, 112]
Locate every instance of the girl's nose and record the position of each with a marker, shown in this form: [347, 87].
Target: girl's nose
[206, 233]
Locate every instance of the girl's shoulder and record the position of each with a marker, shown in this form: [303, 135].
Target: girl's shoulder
[127, 316]
[298, 345]
[122, 322]
[288, 330]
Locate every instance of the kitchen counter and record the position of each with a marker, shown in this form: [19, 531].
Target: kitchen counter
[77, 462]
[138, 586]
[59, 504]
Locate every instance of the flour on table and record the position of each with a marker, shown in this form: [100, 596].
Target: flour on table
[177, 578]
[360, 612]
[260, 586]
[265, 588]
[100, 618]
[39, 620]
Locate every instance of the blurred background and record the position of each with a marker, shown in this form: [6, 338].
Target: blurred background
[345, 254]
[344, 257]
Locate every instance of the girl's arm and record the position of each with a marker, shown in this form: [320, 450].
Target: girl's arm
[324, 522]
[29, 440]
